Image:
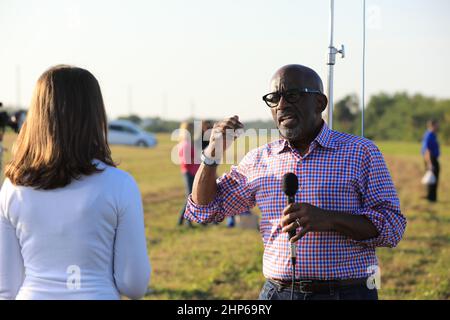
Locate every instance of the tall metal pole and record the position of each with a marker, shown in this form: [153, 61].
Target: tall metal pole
[332, 51]
[130, 100]
[331, 62]
[18, 88]
[164, 106]
[363, 94]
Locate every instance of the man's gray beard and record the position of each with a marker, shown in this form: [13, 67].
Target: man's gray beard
[289, 133]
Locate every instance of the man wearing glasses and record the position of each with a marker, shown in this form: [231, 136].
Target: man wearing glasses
[346, 205]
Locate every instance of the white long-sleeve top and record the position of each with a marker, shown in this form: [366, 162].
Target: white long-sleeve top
[83, 241]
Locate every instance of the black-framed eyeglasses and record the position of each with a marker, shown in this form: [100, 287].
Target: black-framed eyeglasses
[292, 96]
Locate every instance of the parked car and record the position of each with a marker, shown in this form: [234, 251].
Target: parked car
[128, 133]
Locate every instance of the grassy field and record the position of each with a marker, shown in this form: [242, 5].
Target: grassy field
[215, 262]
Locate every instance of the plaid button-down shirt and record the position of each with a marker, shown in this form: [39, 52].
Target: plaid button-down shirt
[340, 172]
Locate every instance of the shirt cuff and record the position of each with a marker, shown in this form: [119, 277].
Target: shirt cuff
[378, 221]
[203, 213]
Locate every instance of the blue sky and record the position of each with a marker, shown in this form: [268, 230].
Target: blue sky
[214, 58]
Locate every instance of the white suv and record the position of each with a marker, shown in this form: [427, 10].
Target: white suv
[128, 133]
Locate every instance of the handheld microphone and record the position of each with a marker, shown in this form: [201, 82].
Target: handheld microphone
[290, 188]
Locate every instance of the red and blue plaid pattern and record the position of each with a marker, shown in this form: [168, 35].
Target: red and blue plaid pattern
[340, 172]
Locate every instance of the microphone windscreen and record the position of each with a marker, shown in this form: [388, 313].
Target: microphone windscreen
[290, 184]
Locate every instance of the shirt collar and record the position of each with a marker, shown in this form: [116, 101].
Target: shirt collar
[324, 139]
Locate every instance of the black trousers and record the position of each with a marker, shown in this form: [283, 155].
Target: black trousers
[432, 188]
[358, 292]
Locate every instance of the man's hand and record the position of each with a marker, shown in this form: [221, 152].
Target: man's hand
[427, 157]
[306, 216]
[312, 218]
[222, 136]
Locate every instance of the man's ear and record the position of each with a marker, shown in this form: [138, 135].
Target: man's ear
[322, 102]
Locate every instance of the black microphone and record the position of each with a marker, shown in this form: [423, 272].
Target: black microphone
[290, 188]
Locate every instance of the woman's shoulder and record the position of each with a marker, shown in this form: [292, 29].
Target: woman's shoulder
[7, 187]
[114, 176]
[108, 178]
[5, 190]
[6, 183]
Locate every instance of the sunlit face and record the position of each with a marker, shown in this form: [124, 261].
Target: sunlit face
[295, 121]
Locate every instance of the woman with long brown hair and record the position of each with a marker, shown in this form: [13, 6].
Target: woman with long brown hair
[71, 223]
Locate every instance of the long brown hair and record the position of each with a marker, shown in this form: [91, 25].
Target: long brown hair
[65, 130]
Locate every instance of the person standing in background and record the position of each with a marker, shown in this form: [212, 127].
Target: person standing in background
[71, 223]
[189, 161]
[430, 153]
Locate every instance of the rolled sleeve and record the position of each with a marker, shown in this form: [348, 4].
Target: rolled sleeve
[202, 213]
[235, 195]
[380, 203]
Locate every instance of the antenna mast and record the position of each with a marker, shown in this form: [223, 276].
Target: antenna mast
[332, 51]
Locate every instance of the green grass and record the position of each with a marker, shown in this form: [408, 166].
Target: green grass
[403, 148]
[418, 267]
[215, 262]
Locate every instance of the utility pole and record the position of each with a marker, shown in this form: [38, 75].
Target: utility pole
[332, 51]
[18, 87]
[130, 100]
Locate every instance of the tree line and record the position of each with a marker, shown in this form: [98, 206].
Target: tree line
[399, 116]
